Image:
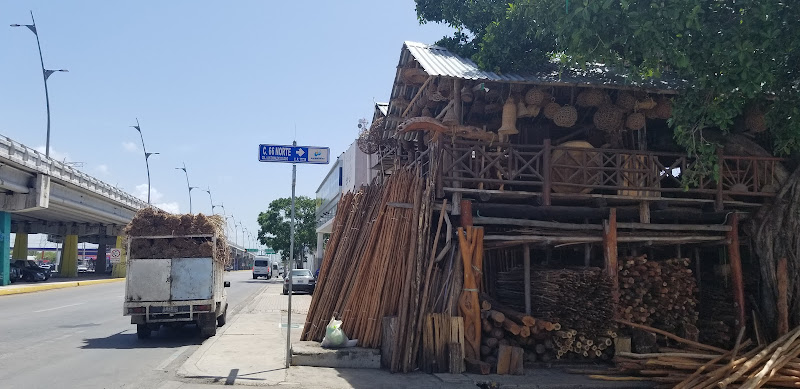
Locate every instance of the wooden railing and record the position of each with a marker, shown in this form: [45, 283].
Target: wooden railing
[572, 170]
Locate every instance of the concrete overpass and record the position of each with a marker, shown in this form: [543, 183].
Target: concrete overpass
[40, 195]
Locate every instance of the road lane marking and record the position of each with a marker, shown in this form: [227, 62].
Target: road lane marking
[171, 358]
[53, 309]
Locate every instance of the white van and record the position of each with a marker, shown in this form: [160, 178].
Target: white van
[262, 268]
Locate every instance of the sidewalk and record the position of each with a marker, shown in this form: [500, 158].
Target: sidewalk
[250, 350]
[18, 288]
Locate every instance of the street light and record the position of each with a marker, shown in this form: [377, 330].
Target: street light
[146, 158]
[45, 75]
[218, 206]
[187, 185]
[210, 200]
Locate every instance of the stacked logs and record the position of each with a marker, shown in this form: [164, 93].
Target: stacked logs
[578, 299]
[661, 294]
[717, 315]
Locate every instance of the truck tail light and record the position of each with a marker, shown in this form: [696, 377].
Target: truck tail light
[137, 310]
[203, 308]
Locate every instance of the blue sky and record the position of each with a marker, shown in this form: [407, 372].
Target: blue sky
[208, 82]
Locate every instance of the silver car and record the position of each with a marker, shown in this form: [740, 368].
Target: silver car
[302, 281]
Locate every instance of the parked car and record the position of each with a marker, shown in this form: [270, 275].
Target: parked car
[82, 269]
[31, 271]
[15, 274]
[302, 281]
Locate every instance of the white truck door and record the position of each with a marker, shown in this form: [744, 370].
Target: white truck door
[148, 280]
[192, 279]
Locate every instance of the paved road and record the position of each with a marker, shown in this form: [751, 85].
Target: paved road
[77, 337]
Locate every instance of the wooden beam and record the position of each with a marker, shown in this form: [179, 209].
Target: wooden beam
[610, 254]
[644, 212]
[534, 223]
[466, 213]
[416, 95]
[548, 182]
[783, 301]
[457, 99]
[526, 257]
[673, 227]
[737, 278]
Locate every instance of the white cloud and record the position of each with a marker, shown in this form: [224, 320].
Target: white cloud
[102, 169]
[58, 156]
[155, 199]
[172, 207]
[130, 146]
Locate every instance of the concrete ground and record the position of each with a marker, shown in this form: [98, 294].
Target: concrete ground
[78, 338]
[251, 351]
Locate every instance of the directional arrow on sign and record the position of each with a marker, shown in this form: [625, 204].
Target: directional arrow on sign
[300, 152]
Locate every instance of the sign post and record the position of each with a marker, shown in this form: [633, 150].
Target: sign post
[293, 154]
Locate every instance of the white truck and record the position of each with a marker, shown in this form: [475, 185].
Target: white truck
[175, 290]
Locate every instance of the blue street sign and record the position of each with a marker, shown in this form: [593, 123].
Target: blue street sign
[293, 154]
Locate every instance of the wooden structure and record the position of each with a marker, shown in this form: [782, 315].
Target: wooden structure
[562, 170]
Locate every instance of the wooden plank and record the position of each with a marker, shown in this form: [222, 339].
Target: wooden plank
[622, 344]
[455, 358]
[388, 335]
[783, 301]
[456, 340]
[516, 365]
[504, 359]
[526, 254]
[610, 254]
[481, 220]
[548, 181]
[737, 278]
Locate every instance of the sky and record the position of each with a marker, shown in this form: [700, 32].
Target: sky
[208, 81]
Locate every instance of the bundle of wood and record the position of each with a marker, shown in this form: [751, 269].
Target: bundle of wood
[662, 294]
[154, 222]
[703, 366]
[375, 266]
[717, 315]
[578, 299]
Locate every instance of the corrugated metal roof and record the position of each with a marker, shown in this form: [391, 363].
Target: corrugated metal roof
[438, 61]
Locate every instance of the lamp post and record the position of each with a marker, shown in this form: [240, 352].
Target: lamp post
[210, 200]
[45, 75]
[187, 185]
[146, 158]
[218, 206]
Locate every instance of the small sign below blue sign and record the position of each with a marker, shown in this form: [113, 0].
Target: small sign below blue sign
[293, 154]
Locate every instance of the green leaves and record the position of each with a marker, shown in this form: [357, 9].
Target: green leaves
[275, 225]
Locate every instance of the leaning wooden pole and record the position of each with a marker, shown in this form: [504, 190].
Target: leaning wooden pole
[735, 260]
[783, 299]
[610, 254]
[468, 304]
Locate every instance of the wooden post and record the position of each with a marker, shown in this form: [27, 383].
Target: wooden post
[783, 300]
[547, 184]
[526, 256]
[587, 254]
[718, 204]
[697, 268]
[610, 254]
[457, 99]
[737, 277]
[678, 251]
[466, 213]
[644, 212]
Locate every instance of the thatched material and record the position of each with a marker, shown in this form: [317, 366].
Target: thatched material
[154, 222]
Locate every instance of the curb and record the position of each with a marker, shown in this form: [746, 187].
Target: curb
[54, 285]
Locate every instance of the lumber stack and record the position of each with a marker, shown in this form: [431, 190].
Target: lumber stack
[578, 298]
[705, 366]
[717, 315]
[443, 344]
[154, 222]
[661, 294]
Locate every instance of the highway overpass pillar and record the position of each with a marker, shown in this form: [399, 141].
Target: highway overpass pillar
[69, 257]
[101, 260]
[5, 245]
[120, 267]
[20, 247]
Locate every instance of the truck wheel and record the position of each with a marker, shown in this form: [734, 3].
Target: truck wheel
[208, 331]
[255, 277]
[222, 318]
[142, 331]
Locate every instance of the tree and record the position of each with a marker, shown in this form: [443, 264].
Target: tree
[736, 54]
[275, 224]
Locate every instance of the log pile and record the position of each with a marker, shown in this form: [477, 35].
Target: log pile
[578, 299]
[661, 294]
[541, 340]
[703, 366]
[154, 222]
[717, 315]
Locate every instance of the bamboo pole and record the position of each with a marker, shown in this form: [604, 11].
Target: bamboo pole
[735, 260]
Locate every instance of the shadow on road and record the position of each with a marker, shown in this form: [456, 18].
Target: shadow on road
[165, 338]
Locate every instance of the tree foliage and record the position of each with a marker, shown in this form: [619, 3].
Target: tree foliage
[275, 225]
[735, 54]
